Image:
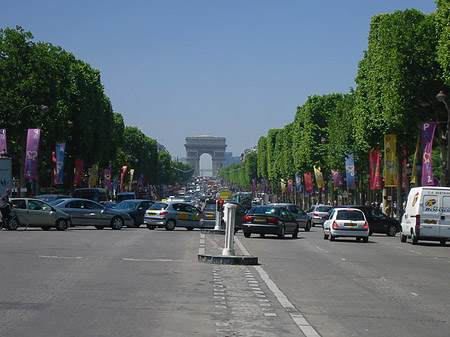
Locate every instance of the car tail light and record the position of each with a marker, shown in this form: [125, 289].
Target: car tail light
[335, 225]
[272, 220]
[366, 225]
[247, 218]
[203, 213]
[164, 213]
[417, 220]
[315, 214]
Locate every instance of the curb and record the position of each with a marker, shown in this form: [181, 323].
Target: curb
[234, 259]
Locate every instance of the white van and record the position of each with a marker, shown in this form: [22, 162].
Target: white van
[427, 215]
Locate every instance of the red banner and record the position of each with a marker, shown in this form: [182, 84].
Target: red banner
[308, 181]
[124, 170]
[78, 172]
[375, 178]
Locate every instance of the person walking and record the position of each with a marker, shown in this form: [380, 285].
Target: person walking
[5, 205]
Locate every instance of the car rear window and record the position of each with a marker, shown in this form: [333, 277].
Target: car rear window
[210, 207]
[159, 206]
[350, 215]
[323, 209]
[266, 210]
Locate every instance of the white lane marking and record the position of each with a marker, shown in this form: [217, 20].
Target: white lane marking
[148, 260]
[414, 294]
[60, 257]
[413, 251]
[323, 250]
[296, 315]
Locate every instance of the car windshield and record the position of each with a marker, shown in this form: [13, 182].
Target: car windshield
[210, 207]
[159, 206]
[126, 205]
[265, 210]
[350, 215]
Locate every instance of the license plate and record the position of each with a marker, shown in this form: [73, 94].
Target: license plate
[151, 214]
[260, 219]
[351, 224]
[209, 215]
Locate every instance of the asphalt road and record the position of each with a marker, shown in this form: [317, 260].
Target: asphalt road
[136, 282]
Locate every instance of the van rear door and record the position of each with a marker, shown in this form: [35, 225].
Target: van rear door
[431, 215]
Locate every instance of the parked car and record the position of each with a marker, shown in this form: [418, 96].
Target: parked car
[208, 217]
[346, 222]
[33, 212]
[121, 196]
[51, 197]
[135, 208]
[85, 212]
[304, 220]
[91, 193]
[172, 214]
[378, 221]
[318, 214]
[270, 219]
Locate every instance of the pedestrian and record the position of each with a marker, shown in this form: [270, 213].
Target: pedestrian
[5, 204]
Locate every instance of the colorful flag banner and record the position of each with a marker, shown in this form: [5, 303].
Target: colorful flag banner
[78, 172]
[308, 181]
[3, 147]
[427, 135]
[290, 185]
[122, 175]
[404, 175]
[32, 152]
[390, 171]
[59, 155]
[283, 186]
[413, 175]
[298, 181]
[319, 177]
[93, 176]
[375, 177]
[131, 177]
[337, 179]
[350, 171]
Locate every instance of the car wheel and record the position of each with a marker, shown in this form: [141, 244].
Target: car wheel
[414, 239]
[190, 228]
[295, 234]
[151, 227]
[12, 224]
[403, 237]
[45, 228]
[116, 223]
[308, 226]
[282, 232]
[262, 235]
[170, 225]
[325, 236]
[392, 230]
[366, 239]
[99, 227]
[442, 242]
[332, 237]
[61, 225]
[358, 238]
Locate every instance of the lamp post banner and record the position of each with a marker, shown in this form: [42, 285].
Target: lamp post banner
[107, 182]
[32, 152]
[3, 148]
[308, 181]
[350, 171]
[427, 134]
[337, 178]
[375, 178]
[93, 176]
[78, 172]
[390, 153]
[319, 177]
[60, 150]
[298, 181]
[122, 175]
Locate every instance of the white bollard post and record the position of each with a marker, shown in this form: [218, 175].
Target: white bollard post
[218, 225]
[230, 210]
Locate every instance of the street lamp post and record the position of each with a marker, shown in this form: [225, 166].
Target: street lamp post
[21, 159]
[441, 97]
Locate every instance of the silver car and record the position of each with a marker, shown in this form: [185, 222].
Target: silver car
[172, 214]
[85, 212]
[318, 214]
[303, 219]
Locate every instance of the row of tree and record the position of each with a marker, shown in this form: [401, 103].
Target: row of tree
[36, 74]
[406, 64]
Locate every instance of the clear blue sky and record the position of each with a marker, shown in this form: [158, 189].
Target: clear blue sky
[228, 68]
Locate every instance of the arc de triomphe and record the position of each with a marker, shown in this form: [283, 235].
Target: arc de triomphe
[214, 146]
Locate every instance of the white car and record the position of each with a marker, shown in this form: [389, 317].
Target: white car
[346, 222]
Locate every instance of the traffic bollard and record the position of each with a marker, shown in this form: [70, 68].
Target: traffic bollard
[230, 210]
[219, 212]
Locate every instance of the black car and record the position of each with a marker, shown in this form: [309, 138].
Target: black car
[135, 208]
[378, 221]
[208, 219]
[269, 219]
